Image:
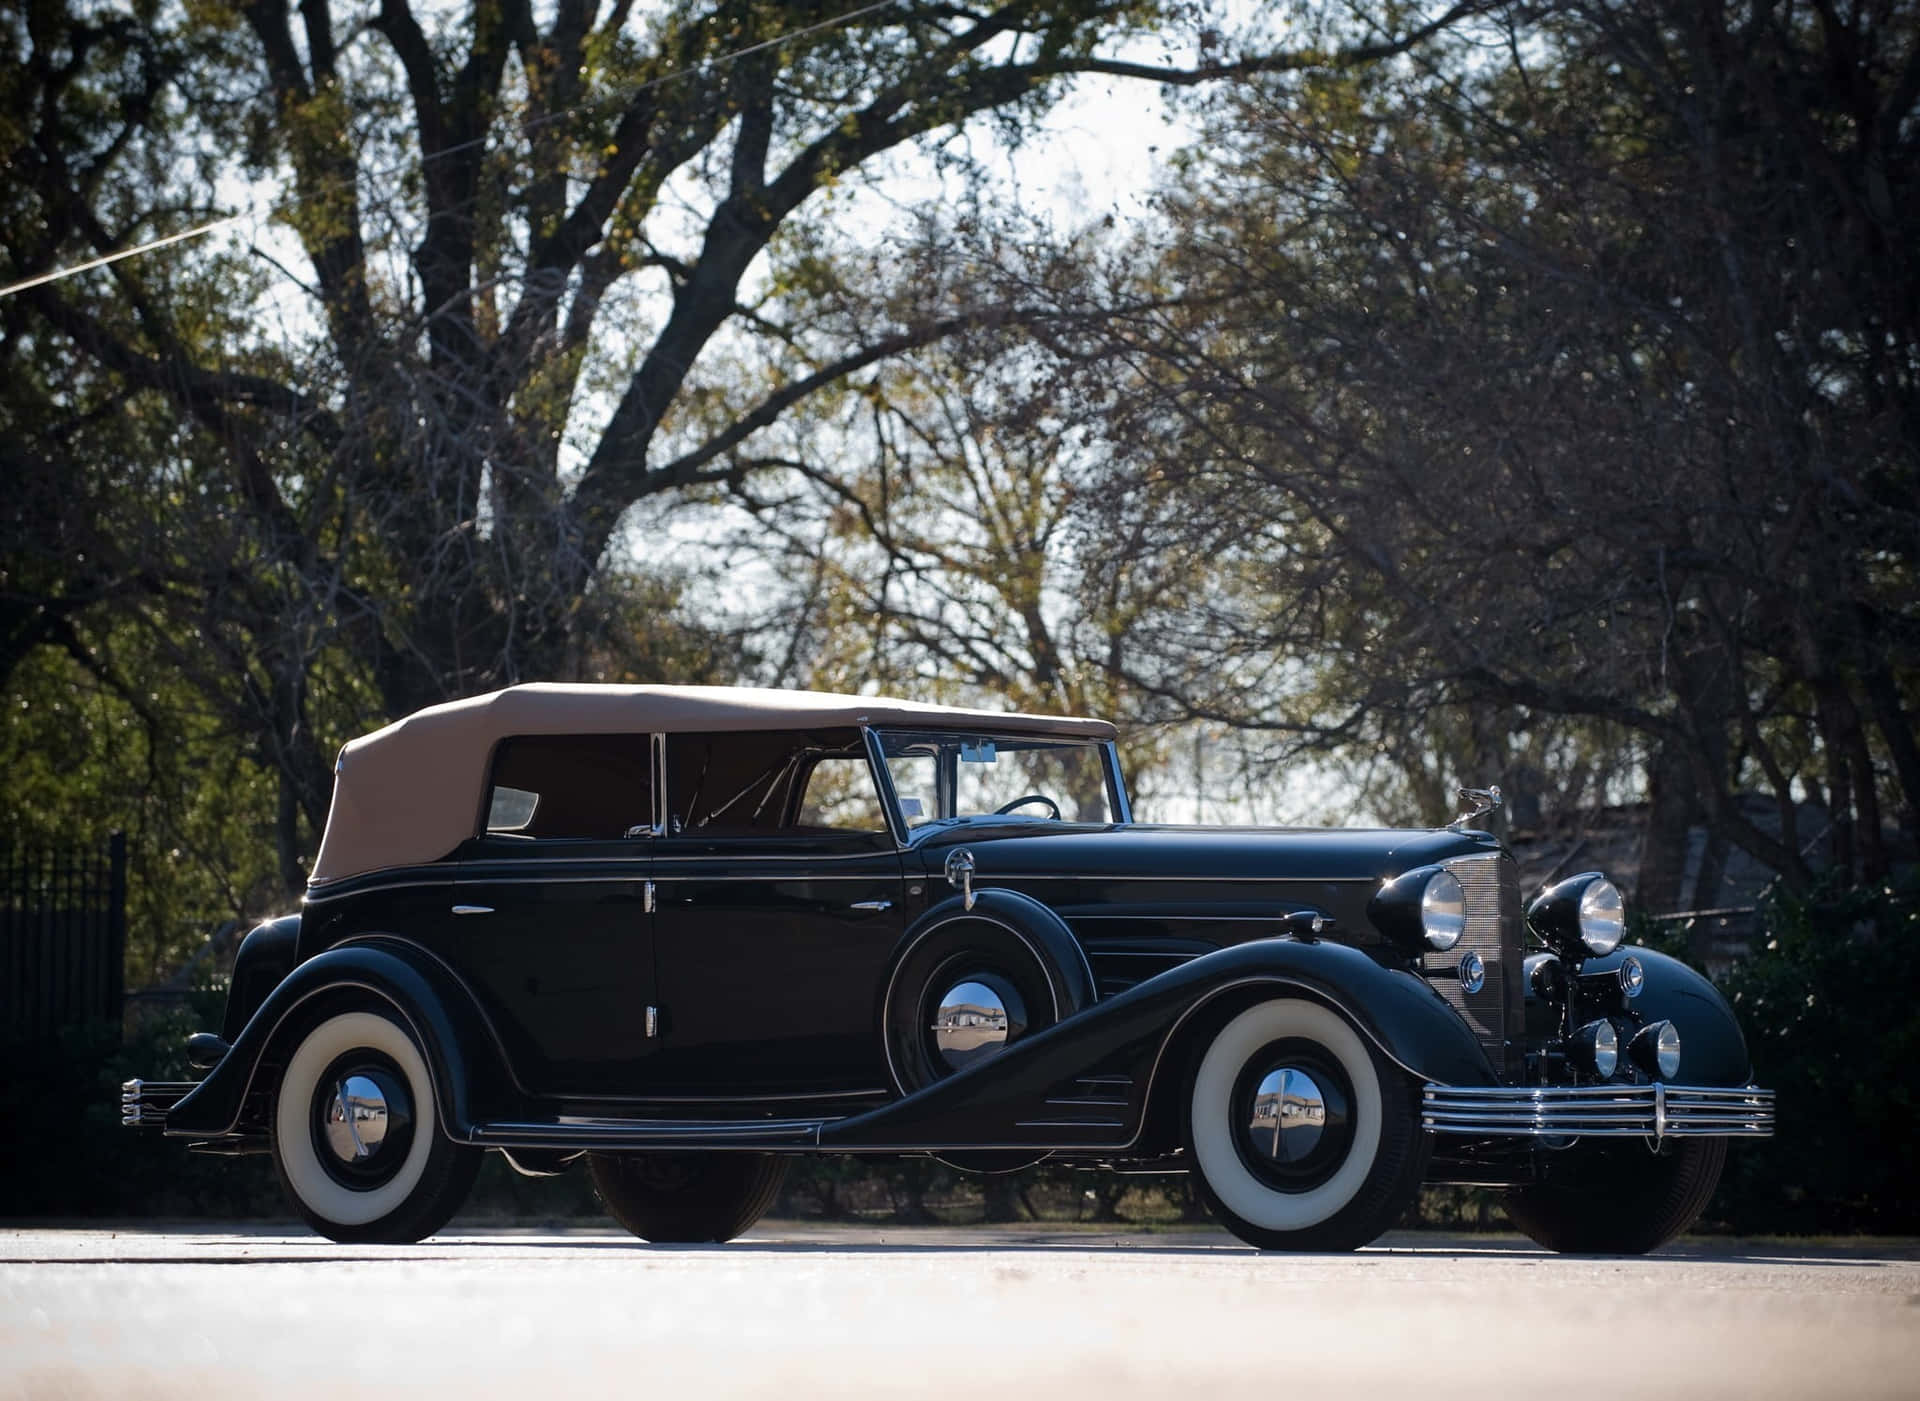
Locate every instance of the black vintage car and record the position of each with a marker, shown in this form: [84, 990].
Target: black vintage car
[691, 933]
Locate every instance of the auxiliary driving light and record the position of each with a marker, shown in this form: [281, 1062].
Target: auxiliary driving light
[1655, 1048]
[1596, 1047]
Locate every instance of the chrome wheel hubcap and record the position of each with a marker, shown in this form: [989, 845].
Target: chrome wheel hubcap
[1289, 1115]
[975, 1019]
[357, 1118]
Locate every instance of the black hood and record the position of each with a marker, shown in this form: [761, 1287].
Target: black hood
[1142, 851]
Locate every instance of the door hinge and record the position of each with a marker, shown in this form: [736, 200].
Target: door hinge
[653, 1023]
[647, 898]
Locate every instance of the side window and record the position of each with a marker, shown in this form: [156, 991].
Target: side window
[916, 779]
[839, 796]
[597, 787]
[771, 782]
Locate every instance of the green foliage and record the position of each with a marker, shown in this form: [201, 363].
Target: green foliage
[1831, 1007]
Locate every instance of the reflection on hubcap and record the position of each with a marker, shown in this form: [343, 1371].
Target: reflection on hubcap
[976, 1019]
[357, 1118]
[1289, 1115]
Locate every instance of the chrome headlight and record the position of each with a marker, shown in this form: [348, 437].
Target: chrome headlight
[1443, 911]
[1582, 915]
[1603, 917]
[1421, 910]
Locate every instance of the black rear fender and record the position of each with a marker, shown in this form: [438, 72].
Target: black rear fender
[378, 970]
[266, 956]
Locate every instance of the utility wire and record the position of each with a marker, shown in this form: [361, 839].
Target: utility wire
[105, 258]
[604, 100]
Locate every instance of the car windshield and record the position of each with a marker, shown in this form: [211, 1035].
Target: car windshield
[942, 777]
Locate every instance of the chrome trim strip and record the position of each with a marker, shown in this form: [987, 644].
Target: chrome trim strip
[1599, 1111]
[144, 1103]
[744, 1134]
[659, 783]
[315, 892]
[883, 782]
[1210, 880]
[375, 886]
[1117, 785]
[1069, 1124]
[1081, 914]
[791, 1097]
[665, 876]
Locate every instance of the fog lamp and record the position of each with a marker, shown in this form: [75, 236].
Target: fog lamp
[1655, 1048]
[1596, 1047]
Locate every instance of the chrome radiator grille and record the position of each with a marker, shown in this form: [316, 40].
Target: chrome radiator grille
[1492, 887]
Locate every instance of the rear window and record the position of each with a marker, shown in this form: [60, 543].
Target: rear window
[593, 787]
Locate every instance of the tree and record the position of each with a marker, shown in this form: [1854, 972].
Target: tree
[535, 252]
[1570, 391]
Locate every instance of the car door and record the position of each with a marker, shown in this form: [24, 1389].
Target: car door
[779, 908]
[552, 912]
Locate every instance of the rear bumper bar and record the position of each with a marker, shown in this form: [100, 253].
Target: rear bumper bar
[144, 1103]
[1599, 1111]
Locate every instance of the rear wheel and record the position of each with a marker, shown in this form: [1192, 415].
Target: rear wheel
[356, 1139]
[1302, 1135]
[1614, 1197]
[673, 1198]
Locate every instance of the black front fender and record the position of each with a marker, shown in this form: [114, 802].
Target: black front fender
[1035, 1093]
[461, 1051]
[1712, 1049]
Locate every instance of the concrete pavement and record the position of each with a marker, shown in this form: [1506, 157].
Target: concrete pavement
[972, 1315]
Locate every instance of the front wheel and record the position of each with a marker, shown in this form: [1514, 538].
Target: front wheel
[672, 1198]
[1615, 1197]
[1302, 1135]
[356, 1138]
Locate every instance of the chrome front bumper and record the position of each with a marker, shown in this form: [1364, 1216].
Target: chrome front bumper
[1599, 1111]
[144, 1103]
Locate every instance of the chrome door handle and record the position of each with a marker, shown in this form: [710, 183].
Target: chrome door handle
[473, 909]
[871, 905]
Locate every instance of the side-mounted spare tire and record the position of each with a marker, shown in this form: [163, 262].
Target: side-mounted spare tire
[967, 983]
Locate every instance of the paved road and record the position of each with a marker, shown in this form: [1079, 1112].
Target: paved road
[942, 1315]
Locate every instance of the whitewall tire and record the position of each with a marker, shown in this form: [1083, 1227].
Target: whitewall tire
[1303, 1136]
[356, 1137]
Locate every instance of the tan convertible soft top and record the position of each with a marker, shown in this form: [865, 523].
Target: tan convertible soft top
[411, 792]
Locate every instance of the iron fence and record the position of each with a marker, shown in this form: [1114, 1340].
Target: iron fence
[63, 937]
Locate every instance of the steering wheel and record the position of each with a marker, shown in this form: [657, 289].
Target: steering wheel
[1053, 808]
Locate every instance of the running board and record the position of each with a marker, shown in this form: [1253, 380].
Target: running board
[741, 1134]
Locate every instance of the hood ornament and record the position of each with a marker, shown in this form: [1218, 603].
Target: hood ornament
[1480, 800]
